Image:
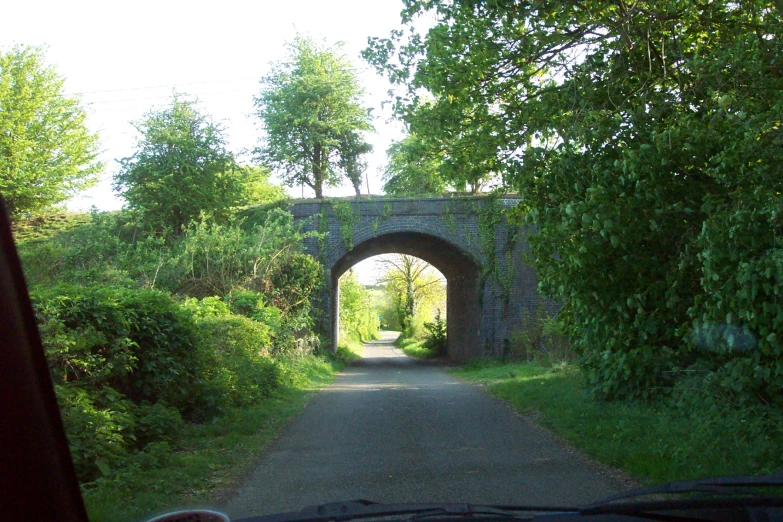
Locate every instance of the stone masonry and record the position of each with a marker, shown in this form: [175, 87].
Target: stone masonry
[489, 287]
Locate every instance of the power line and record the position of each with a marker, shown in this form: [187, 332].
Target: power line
[124, 100]
[171, 85]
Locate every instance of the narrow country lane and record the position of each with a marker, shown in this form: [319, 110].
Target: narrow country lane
[393, 429]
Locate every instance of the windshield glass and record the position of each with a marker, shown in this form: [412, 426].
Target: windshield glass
[486, 252]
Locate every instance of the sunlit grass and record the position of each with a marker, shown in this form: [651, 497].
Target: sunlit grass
[655, 442]
[46, 227]
[351, 345]
[414, 348]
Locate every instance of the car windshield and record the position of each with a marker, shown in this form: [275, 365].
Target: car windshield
[498, 252]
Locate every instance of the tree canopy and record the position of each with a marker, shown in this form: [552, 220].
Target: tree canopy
[645, 140]
[358, 319]
[412, 169]
[181, 168]
[257, 187]
[410, 282]
[311, 113]
[46, 151]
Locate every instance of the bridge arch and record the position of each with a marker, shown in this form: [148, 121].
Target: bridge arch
[461, 270]
[490, 289]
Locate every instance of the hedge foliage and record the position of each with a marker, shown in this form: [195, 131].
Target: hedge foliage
[131, 365]
[146, 333]
[646, 145]
[357, 317]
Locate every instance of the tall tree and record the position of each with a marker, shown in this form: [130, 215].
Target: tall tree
[181, 168]
[46, 152]
[257, 187]
[352, 149]
[410, 282]
[412, 169]
[310, 110]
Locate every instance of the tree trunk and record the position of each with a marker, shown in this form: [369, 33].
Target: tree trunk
[318, 175]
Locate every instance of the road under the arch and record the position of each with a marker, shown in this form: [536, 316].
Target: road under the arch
[393, 429]
[463, 291]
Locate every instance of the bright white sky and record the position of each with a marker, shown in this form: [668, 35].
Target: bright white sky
[127, 57]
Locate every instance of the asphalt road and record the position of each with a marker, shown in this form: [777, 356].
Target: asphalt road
[393, 429]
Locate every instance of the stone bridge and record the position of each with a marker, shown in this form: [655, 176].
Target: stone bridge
[467, 238]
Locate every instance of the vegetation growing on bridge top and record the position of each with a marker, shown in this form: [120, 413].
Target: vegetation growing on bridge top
[490, 214]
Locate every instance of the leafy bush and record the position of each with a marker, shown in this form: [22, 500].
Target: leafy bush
[414, 348]
[103, 247]
[99, 425]
[215, 259]
[243, 371]
[206, 307]
[357, 318]
[105, 429]
[138, 342]
[130, 364]
[541, 338]
[738, 320]
[252, 304]
[245, 302]
[43, 261]
[436, 335]
[293, 283]
[156, 423]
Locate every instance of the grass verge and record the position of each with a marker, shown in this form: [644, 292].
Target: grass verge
[414, 348]
[655, 442]
[207, 459]
[351, 346]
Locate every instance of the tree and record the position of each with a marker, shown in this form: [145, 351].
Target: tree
[46, 152]
[180, 170]
[645, 140]
[258, 190]
[410, 282]
[357, 317]
[352, 148]
[412, 169]
[310, 110]
[463, 137]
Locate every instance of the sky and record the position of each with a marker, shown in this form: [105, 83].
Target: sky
[125, 58]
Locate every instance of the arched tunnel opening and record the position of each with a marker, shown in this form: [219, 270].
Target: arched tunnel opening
[462, 273]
